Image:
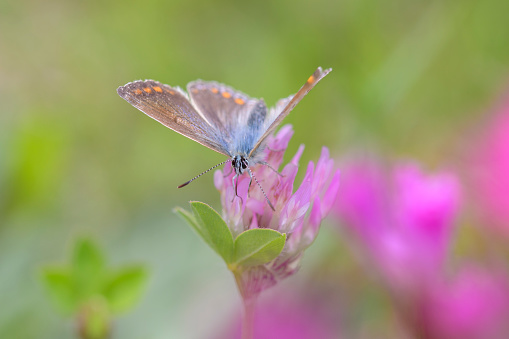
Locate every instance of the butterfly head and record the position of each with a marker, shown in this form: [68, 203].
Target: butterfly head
[239, 163]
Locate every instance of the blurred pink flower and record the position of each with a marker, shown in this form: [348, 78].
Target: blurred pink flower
[403, 222]
[403, 218]
[475, 304]
[298, 214]
[489, 169]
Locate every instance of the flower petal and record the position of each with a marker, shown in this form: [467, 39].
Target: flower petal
[330, 195]
[323, 169]
[295, 210]
[296, 158]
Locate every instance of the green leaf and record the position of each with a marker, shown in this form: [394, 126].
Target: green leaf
[87, 268]
[124, 288]
[191, 220]
[209, 225]
[59, 285]
[258, 246]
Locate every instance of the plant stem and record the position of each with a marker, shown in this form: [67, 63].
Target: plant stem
[248, 318]
[249, 303]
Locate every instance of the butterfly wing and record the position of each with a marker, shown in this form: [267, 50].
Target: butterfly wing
[290, 103]
[171, 108]
[238, 116]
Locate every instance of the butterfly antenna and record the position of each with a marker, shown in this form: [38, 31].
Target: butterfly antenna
[199, 175]
[265, 195]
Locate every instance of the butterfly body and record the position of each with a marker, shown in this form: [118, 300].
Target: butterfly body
[216, 116]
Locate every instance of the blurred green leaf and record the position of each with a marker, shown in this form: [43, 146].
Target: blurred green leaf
[91, 292]
[87, 268]
[36, 161]
[258, 246]
[59, 284]
[211, 228]
[124, 288]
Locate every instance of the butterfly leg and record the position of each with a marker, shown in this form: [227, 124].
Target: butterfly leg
[231, 170]
[261, 188]
[275, 150]
[272, 168]
[250, 181]
[235, 185]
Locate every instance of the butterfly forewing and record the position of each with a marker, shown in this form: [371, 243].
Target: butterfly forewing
[171, 108]
[318, 75]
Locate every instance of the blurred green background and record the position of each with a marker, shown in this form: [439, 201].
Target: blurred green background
[409, 78]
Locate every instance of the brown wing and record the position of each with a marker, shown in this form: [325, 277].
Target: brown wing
[221, 105]
[171, 108]
[318, 75]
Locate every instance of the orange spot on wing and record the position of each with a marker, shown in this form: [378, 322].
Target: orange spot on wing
[172, 92]
[157, 89]
[311, 79]
[226, 95]
[239, 101]
[194, 91]
[148, 89]
[215, 90]
[137, 91]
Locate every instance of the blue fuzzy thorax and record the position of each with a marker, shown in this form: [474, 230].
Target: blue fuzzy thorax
[245, 136]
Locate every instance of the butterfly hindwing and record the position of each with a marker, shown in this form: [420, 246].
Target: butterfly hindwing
[238, 116]
[170, 107]
[220, 104]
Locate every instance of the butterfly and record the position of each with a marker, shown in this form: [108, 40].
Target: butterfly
[218, 117]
